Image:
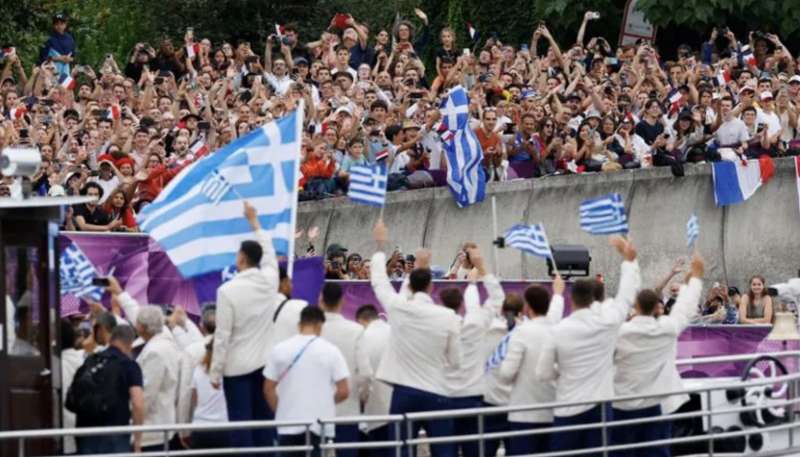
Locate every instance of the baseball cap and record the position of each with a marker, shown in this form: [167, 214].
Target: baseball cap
[344, 109]
[300, 61]
[766, 95]
[335, 249]
[794, 79]
[59, 17]
[745, 88]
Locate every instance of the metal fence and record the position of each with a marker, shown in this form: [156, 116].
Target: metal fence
[409, 445]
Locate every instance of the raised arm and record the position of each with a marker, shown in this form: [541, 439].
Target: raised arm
[269, 260]
[129, 305]
[676, 268]
[378, 277]
[556, 310]
[685, 310]
[629, 283]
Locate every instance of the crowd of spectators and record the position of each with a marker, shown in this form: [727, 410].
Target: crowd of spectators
[538, 109]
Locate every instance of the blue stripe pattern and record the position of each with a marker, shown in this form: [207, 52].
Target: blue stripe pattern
[76, 273]
[692, 231]
[604, 215]
[368, 185]
[530, 239]
[727, 190]
[499, 354]
[465, 176]
[259, 167]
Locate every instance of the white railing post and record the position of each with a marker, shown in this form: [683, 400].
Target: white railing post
[310, 449]
[410, 436]
[21, 444]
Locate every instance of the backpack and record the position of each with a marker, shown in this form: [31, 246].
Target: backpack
[95, 389]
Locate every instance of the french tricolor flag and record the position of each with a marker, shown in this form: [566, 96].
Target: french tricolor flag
[383, 154]
[192, 50]
[675, 100]
[67, 82]
[735, 182]
[279, 30]
[473, 34]
[17, 113]
[723, 78]
[113, 112]
[747, 56]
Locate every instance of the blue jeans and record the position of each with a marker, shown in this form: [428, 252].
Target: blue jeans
[581, 439]
[531, 444]
[381, 434]
[347, 434]
[467, 425]
[642, 433]
[495, 423]
[103, 444]
[245, 397]
[410, 400]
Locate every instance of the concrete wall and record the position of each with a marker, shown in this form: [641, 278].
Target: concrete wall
[759, 236]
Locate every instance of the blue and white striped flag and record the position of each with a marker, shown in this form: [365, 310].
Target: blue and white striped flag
[198, 218]
[604, 215]
[530, 239]
[368, 185]
[465, 175]
[499, 354]
[76, 273]
[692, 231]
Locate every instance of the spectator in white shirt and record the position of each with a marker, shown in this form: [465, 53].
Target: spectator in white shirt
[645, 364]
[347, 336]
[208, 406]
[466, 381]
[166, 378]
[379, 395]
[424, 342]
[305, 377]
[580, 355]
[519, 367]
[245, 306]
[731, 135]
[287, 314]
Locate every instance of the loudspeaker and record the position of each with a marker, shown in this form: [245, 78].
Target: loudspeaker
[571, 260]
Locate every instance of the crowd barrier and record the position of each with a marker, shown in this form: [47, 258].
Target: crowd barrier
[709, 436]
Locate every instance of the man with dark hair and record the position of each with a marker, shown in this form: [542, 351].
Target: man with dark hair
[645, 363]
[90, 216]
[245, 307]
[519, 367]
[60, 46]
[104, 324]
[424, 341]
[287, 313]
[580, 354]
[375, 341]
[347, 336]
[466, 382]
[304, 378]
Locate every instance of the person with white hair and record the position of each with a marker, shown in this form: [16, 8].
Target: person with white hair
[166, 393]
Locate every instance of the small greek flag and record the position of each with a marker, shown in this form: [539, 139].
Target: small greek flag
[692, 231]
[604, 215]
[215, 187]
[368, 185]
[499, 354]
[530, 239]
[76, 273]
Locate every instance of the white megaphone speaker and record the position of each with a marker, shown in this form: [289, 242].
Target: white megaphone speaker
[20, 162]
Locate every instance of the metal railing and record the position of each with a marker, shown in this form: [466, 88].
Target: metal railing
[397, 422]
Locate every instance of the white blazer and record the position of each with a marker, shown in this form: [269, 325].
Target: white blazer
[285, 326]
[379, 399]
[646, 352]
[424, 339]
[245, 306]
[580, 355]
[348, 337]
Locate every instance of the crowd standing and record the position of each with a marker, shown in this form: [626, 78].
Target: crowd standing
[538, 109]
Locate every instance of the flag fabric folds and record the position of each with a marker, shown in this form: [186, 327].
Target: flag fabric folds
[368, 185]
[692, 231]
[797, 177]
[200, 225]
[604, 215]
[465, 176]
[530, 239]
[76, 273]
[735, 182]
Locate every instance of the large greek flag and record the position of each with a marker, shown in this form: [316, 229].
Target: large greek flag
[76, 273]
[198, 218]
[465, 175]
[604, 215]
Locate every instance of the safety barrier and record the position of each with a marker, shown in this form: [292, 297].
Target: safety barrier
[764, 385]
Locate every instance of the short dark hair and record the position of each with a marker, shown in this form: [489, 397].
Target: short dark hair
[90, 185]
[599, 290]
[512, 304]
[538, 298]
[583, 293]
[311, 315]
[68, 335]
[750, 109]
[419, 280]
[451, 298]
[378, 104]
[367, 312]
[332, 294]
[647, 301]
[208, 317]
[252, 251]
[282, 274]
[105, 320]
[123, 333]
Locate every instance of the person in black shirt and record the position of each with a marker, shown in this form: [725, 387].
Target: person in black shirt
[129, 396]
[90, 217]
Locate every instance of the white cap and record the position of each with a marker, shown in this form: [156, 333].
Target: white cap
[794, 79]
[766, 95]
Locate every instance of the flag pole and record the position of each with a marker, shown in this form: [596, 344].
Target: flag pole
[550, 249]
[494, 227]
[300, 113]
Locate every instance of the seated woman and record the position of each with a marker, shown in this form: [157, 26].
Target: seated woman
[756, 305]
[318, 169]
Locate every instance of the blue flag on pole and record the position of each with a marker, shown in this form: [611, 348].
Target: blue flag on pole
[604, 215]
[368, 185]
[198, 218]
[692, 231]
[530, 239]
[465, 175]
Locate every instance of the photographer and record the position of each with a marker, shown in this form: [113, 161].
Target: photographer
[335, 265]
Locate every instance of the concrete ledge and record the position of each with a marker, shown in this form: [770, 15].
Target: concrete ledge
[759, 236]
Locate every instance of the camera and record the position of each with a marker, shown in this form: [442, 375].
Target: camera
[336, 265]
[101, 282]
[759, 35]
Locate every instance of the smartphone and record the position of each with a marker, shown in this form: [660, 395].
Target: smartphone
[760, 128]
[611, 61]
[466, 52]
[101, 282]
[415, 95]
[204, 125]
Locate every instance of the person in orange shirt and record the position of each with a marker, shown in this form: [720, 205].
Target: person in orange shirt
[318, 170]
[494, 151]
